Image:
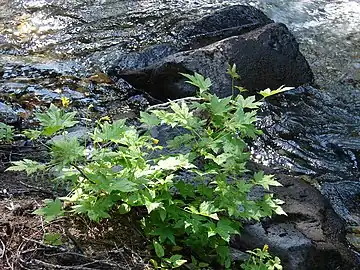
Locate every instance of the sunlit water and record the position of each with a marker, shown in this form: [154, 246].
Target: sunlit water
[73, 35]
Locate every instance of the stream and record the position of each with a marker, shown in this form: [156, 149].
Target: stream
[79, 38]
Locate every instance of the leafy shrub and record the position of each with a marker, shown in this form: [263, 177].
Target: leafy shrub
[6, 133]
[260, 259]
[195, 187]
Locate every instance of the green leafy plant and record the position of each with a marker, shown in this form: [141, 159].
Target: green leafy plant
[195, 187]
[53, 121]
[27, 165]
[6, 133]
[261, 259]
[173, 262]
[53, 239]
[51, 210]
[196, 265]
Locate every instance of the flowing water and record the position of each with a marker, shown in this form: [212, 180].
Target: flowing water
[79, 36]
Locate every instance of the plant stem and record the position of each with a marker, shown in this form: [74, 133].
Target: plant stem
[82, 173]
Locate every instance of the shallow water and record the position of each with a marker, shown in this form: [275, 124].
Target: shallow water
[80, 36]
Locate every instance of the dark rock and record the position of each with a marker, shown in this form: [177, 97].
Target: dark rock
[230, 21]
[266, 57]
[316, 133]
[311, 237]
[142, 59]
[7, 114]
[345, 198]
[313, 132]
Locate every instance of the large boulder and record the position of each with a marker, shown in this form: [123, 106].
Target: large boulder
[230, 21]
[266, 57]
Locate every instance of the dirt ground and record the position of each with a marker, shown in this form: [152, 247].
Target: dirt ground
[75, 244]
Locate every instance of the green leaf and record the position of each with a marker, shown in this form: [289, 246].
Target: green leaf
[208, 209]
[202, 264]
[267, 92]
[159, 250]
[174, 163]
[114, 132]
[150, 206]
[186, 190]
[164, 233]
[51, 210]
[232, 71]
[96, 208]
[225, 228]
[27, 165]
[67, 151]
[124, 208]
[265, 180]
[182, 113]
[279, 211]
[55, 119]
[248, 102]
[53, 239]
[180, 141]
[6, 132]
[219, 106]
[206, 191]
[198, 81]
[32, 134]
[211, 229]
[123, 185]
[149, 119]
[223, 252]
[241, 89]
[176, 261]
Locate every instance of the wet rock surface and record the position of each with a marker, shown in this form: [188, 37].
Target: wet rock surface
[315, 133]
